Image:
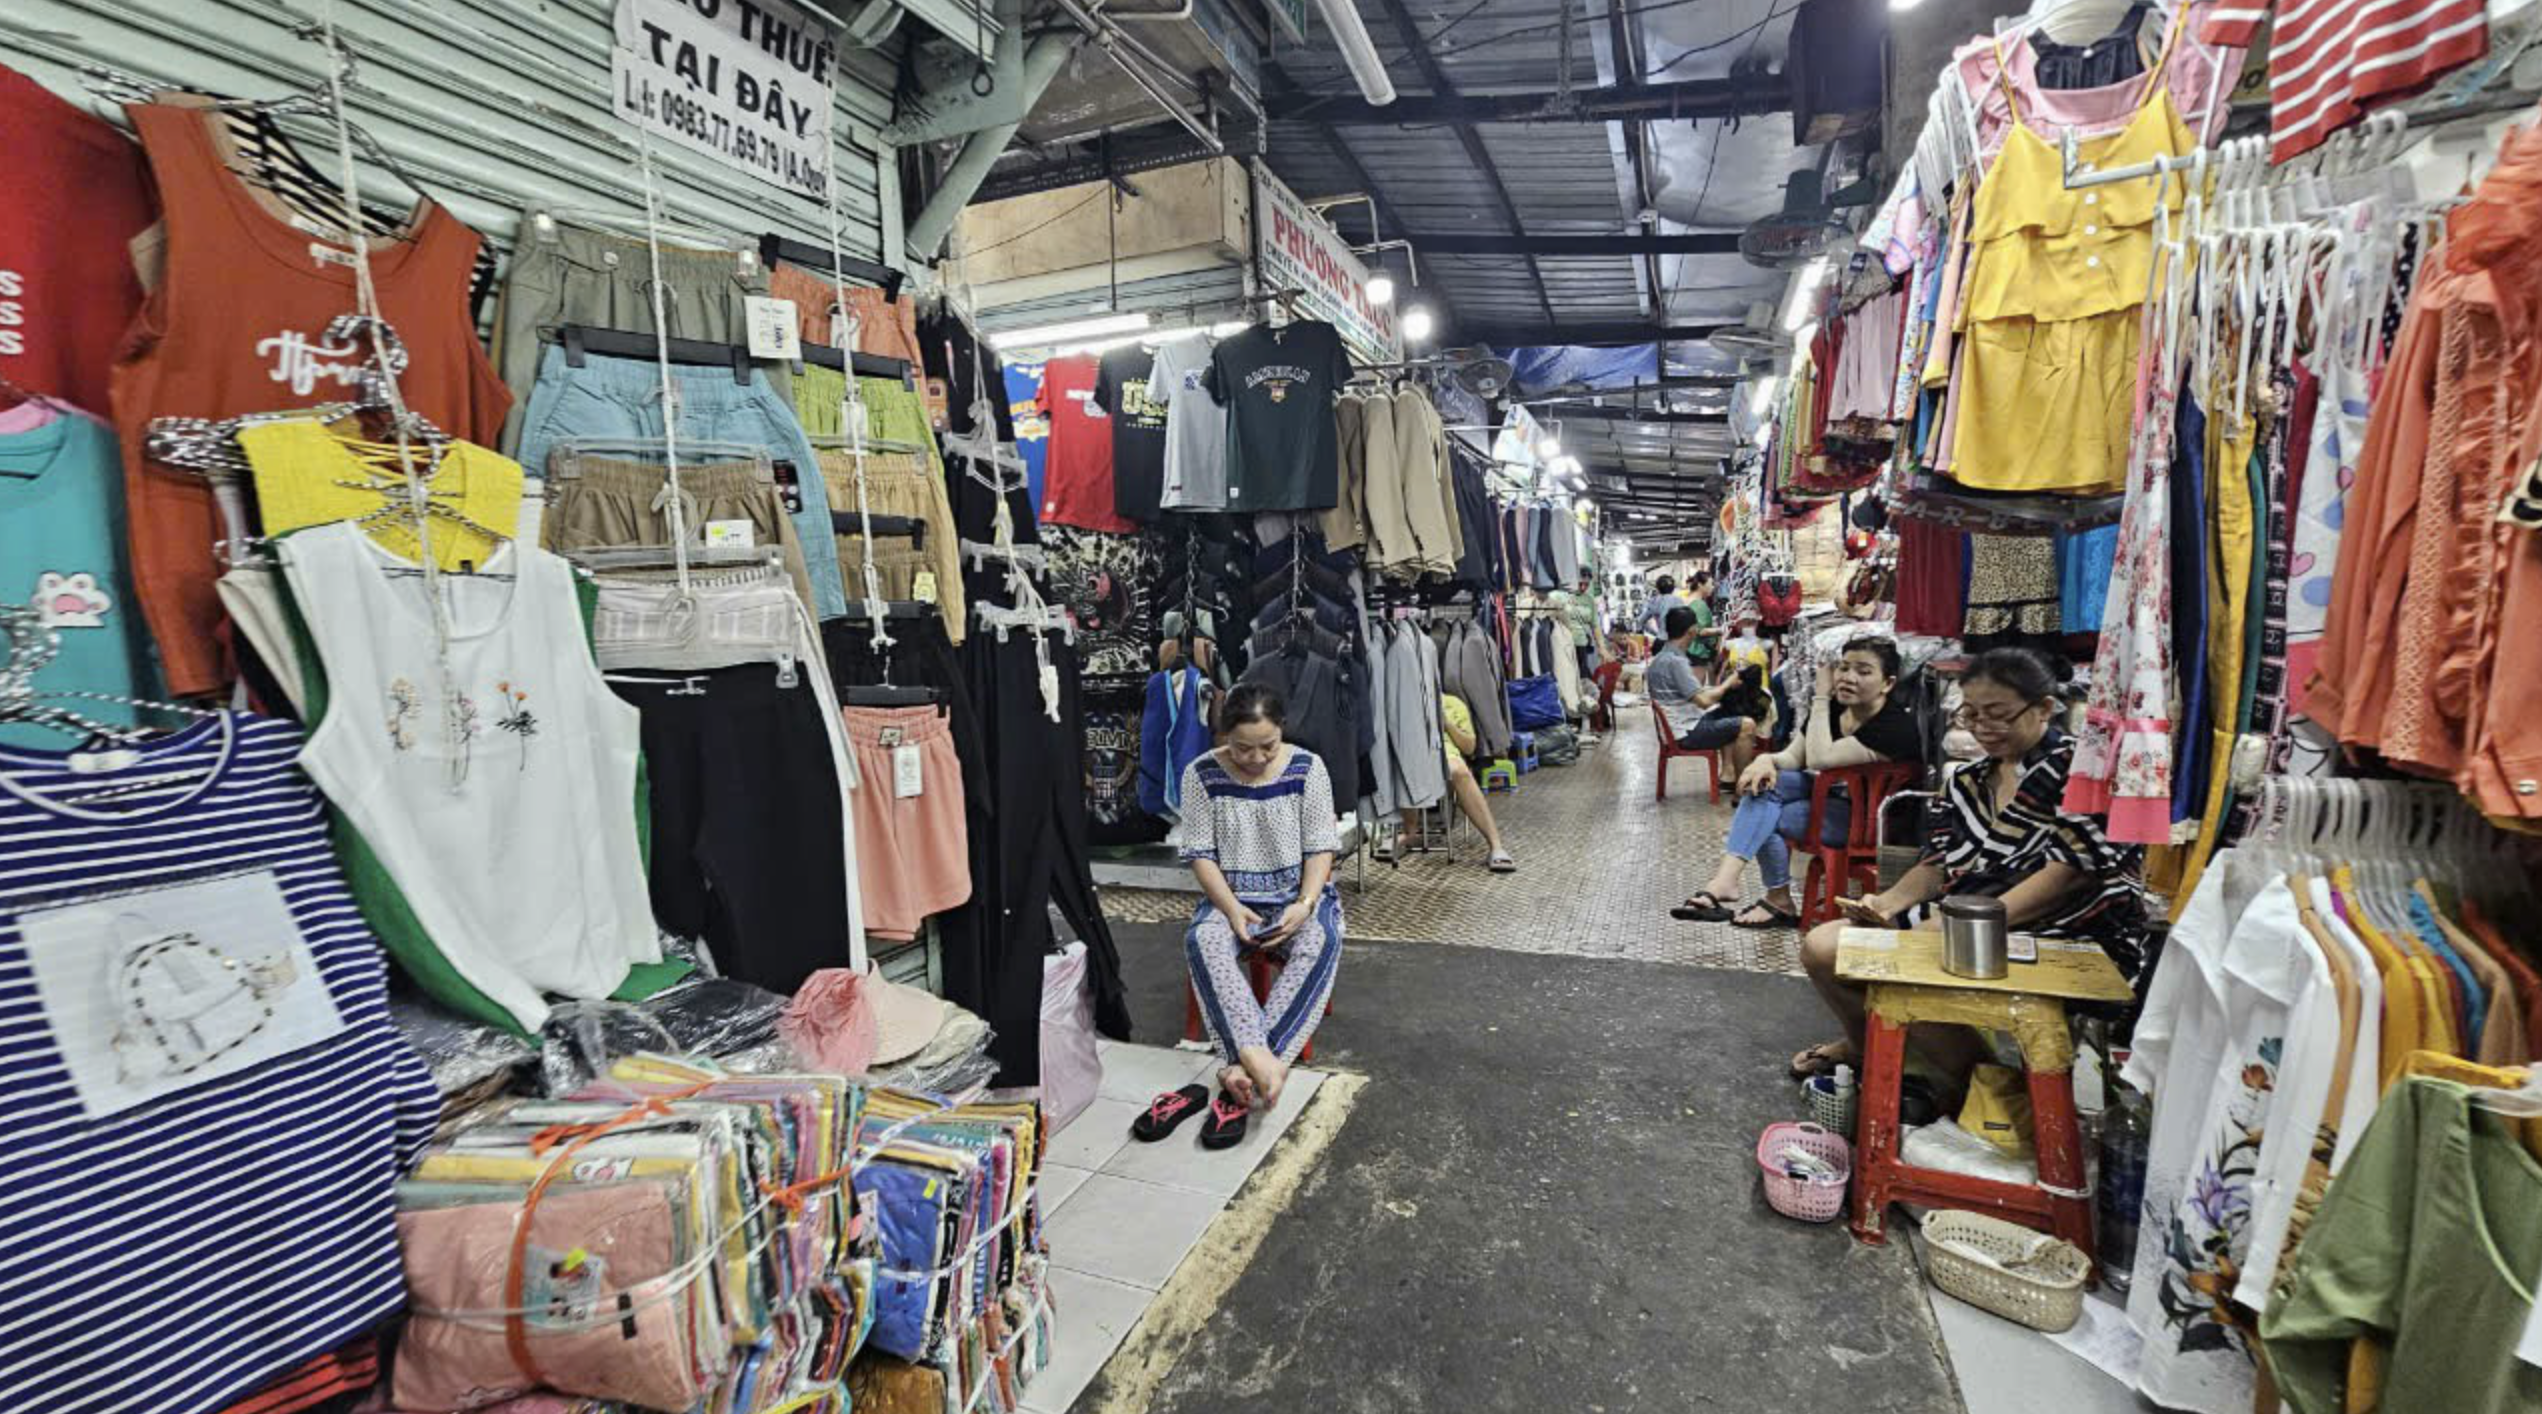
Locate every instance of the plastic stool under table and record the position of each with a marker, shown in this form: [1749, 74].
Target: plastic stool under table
[1908, 986]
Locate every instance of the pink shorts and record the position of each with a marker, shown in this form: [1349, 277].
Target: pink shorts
[913, 858]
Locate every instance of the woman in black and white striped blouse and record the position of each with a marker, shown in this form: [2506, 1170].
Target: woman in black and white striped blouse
[2000, 829]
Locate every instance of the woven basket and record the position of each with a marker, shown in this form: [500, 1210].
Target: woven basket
[2005, 1268]
[1810, 1200]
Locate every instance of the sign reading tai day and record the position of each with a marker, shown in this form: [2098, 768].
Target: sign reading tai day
[747, 82]
[1298, 249]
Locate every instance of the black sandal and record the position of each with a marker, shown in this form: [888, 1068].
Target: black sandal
[1166, 1113]
[1774, 917]
[1702, 908]
[1226, 1123]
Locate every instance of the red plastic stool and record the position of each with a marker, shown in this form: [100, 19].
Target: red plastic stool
[2058, 1203]
[1261, 969]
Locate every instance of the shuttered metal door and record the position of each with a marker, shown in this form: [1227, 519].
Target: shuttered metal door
[492, 105]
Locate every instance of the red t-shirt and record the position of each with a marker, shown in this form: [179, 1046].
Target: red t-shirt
[1077, 486]
[79, 191]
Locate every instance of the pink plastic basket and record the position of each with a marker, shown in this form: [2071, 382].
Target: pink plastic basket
[1810, 1200]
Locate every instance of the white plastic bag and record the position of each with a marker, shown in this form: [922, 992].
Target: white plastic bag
[1072, 1069]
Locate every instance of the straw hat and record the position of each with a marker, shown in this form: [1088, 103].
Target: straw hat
[908, 1018]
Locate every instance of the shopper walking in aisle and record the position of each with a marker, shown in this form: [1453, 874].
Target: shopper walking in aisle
[1704, 649]
[1852, 722]
[1654, 619]
[2001, 831]
[1260, 833]
[1729, 717]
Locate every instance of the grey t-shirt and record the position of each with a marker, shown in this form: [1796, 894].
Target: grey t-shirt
[1195, 426]
[1669, 679]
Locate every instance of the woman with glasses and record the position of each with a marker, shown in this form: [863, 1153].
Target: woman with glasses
[1854, 723]
[1260, 833]
[2000, 830]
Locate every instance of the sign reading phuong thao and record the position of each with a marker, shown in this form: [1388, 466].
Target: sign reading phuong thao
[1298, 249]
[747, 82]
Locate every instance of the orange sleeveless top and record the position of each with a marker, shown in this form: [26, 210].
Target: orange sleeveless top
[237, 324]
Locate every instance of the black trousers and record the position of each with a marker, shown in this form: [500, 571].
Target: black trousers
[1028, 855]
[749, 840]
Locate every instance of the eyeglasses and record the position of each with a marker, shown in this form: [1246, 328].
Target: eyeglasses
[1972, 718]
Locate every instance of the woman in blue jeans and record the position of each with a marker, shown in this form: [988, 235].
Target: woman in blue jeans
[1854, 724]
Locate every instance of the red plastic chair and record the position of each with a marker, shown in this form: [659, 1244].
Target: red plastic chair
[1602, 717]
[1261, 969]
[1669, 751]
[1836, 868]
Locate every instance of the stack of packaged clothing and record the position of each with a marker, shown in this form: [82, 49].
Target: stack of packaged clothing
[962, 1262]
[671, 1238]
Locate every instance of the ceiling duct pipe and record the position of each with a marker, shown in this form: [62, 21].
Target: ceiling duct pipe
[1031, 72]
[1018, 73]
[1359, 52]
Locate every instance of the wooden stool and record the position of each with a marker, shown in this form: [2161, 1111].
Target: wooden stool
[1908, 986]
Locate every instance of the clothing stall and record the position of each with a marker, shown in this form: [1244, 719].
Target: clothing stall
[580, 820]
[2235, 429]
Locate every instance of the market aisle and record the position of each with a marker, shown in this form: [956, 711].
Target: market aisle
[1544, 1197]
[1600, 862]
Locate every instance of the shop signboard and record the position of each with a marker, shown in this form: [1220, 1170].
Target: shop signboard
[746, 82]
[1297, 249]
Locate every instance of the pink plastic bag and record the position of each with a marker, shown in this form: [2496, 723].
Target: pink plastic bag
[1072, 1069]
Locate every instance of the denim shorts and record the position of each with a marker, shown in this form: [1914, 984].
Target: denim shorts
[1711, 732]
[622, 397]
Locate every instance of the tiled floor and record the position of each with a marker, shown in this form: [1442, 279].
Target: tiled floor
[1122, 1215]
[1599, 863]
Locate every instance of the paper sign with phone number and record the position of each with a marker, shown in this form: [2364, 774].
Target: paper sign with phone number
[747, 82]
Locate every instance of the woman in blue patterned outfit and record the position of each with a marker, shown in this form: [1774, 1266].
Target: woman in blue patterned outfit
[1259, 830]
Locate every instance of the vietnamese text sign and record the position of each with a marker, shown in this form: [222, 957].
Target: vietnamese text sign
[1300, 250]
[746, 82]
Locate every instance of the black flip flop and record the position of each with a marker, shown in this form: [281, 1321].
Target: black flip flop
[1225, 1126]
[1166, 1113]
[1711, 910]
[1774, 917]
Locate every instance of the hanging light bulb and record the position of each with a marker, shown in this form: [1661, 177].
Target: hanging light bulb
[1548, 449]
[1381, 289]
[1417, 324]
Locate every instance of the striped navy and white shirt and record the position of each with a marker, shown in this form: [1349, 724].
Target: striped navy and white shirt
[172, 1255]
[1259, 835]
[1983, 851]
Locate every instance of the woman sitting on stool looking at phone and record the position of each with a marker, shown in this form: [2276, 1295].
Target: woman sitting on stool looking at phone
[2001, 829]
[1260, 834]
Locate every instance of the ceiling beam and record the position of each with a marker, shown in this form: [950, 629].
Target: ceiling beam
[1734, 97]
[1624, 46]
[1584, 334]
[1592, 413]
[1643, 243]
[1435, 78]
[1640, 386]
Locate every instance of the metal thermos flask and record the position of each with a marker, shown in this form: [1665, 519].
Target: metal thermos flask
[1974, 934]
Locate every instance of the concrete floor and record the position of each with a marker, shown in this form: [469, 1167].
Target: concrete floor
[1546, 1199]
[1529, 1183]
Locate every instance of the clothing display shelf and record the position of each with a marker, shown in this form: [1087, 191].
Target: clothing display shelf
[581, 340]
[774, 248]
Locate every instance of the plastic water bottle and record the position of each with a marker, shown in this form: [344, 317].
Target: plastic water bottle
[2126, 1135]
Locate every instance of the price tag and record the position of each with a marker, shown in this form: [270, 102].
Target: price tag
[924, 590]
[774, 330]
[907, 780]
[736, 534]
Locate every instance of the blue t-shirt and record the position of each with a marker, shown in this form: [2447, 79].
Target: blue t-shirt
[62, 549]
